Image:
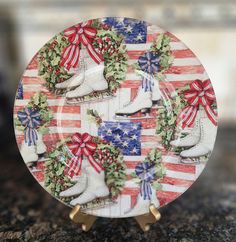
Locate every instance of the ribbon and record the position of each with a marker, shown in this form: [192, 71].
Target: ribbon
[80, 33]
[81, 145]
[146, 172]
[31, 120]
[149, 64]
[200, 93]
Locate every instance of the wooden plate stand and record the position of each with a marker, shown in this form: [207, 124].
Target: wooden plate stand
[86, 221]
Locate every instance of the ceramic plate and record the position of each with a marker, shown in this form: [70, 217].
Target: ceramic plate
[115, 114]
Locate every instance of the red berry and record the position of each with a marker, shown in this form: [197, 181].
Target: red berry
[105, 26]
[50, 69]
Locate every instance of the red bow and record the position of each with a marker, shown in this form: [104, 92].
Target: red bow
[80, 33]
[200, 93]
[79, 146]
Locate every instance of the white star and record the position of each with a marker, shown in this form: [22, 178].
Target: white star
[135, 126]
[113, 28]
[117, 137]
[134, 137]
[126, 132]
[120, 21]
[125, 144]
[139, 37]
[119, 126]
[128, 29]
[103, 124]
[134, 150]
[109, 131]
[102, 136]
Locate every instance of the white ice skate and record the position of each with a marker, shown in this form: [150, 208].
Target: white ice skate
[28, 153]
[206, 142]
[78, 188]
[72, 82]
[40, 146]
[93, 80]
[142, 206]
[142, 102]
[156, 93]
[189, 140]
[78, 77]
[193, 137]
[96, 187]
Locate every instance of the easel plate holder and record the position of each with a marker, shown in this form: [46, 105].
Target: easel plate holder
[86, 221]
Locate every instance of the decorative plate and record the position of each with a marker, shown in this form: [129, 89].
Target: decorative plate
[115, 114]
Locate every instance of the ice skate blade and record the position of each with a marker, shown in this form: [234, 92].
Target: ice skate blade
[126, 117]
[31, 164]
[92, 100]
[98, 203]
[158, 107]
[195, 160]
[156, 102]
[145, 110]
[201, 157]
[190, 161]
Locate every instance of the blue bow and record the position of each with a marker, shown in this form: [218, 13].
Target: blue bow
[149, 64]
[146, 172]
[31, 120]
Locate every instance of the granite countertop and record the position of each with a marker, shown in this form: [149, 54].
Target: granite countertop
[206, 212]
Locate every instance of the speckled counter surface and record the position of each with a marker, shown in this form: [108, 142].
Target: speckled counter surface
[206, 212]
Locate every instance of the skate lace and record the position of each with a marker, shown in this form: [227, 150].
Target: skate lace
[202, 133]
[82, 64]
[193, 132]
[202, 136]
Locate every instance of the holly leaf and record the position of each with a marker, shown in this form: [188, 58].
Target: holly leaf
[56, 61]
[156, 185]
[43, 130]
[35, 99]
[60, 171]
[159, 41]
[136, 180]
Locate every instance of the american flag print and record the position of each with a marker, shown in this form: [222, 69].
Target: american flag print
[124, 135]
[134, 31]
[19, 94]
[69, 119]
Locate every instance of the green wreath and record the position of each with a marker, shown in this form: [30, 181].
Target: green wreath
[55, 181]
[166, 125]
[167, 115]
[153, 158]
[110, 157]
[160, 46]
[49, 58]
[107, 41]
[39, 103]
